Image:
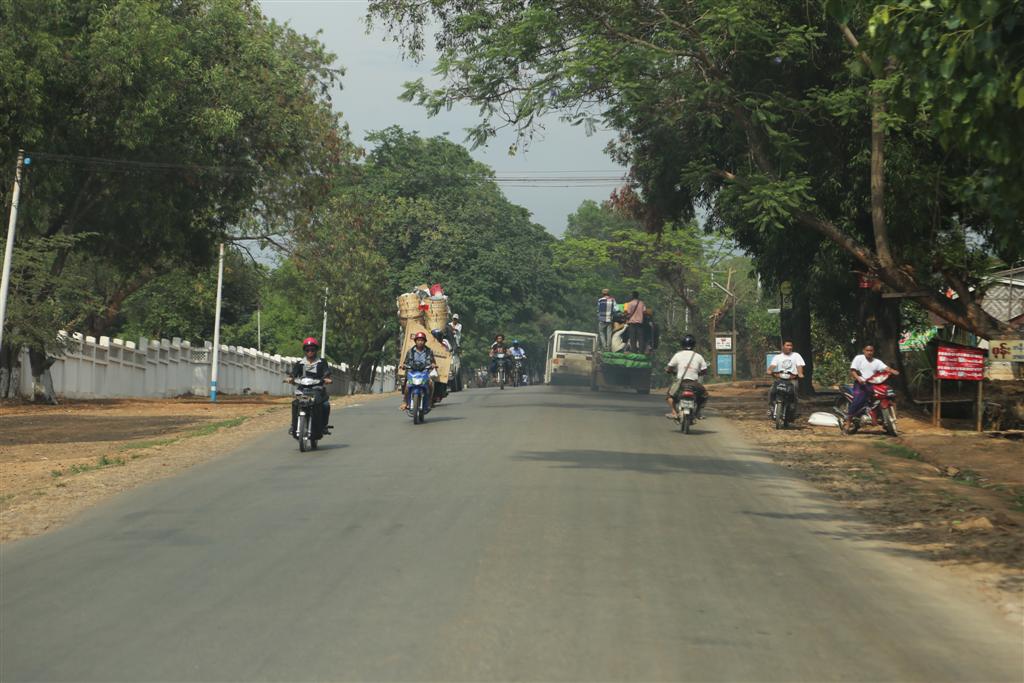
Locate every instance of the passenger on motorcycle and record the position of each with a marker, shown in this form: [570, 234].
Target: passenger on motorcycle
[497, 347]
[517, 351]
[862, 368]
[786, 366]
[317, 368]
[418, 355]
[688, 366]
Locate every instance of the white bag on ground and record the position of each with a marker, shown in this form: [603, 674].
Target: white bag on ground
[822, 419]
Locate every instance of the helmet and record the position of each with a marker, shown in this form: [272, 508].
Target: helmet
[438, 334]
[419, 335]
[515, 342]
[310, 341]
[688, 342]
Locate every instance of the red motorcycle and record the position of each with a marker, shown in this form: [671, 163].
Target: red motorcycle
[880, 408]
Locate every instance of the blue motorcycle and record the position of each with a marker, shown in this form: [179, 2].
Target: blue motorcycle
[418, 379]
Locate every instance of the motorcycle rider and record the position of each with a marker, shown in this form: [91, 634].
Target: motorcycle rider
[318, 368]
[518, 353]
[788, 362]
[688, 366]
[862, 368]
[419, 354]
[497, 347]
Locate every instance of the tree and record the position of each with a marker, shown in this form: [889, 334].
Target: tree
[224, 119]
[756, 111]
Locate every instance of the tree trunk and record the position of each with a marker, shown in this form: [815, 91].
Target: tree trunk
[42, 381]
[795, 324]
[882, 323]
[10, 372]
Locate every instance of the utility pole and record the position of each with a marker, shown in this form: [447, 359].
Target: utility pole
[323, 331]
[5, 280]
[216, 326]
[259, 335]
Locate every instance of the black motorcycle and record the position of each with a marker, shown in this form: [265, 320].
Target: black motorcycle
[310, 395]
[783, 401]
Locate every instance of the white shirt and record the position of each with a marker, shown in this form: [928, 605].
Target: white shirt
[688, 365]
[787, 363]
[867, 368]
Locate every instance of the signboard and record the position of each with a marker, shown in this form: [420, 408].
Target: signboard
[768, 358]
[785, 287]
[1007, 350]
[960, 362]
[787, 302]
[724, 364]
[723, 343]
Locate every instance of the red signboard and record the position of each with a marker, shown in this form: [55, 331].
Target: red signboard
[960, 362]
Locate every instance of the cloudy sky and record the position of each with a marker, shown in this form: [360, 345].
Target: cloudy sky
[368, 100]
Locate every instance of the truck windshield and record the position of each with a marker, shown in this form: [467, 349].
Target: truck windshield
[575, 343]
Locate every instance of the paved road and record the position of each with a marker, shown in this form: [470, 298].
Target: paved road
[531, 534]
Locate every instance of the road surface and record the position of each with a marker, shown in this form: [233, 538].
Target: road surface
[530, 534]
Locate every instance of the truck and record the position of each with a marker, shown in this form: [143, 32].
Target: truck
[621, 369]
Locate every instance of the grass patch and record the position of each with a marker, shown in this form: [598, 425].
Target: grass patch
[898, 450]
[208, 429]
[79, 467]
[968, 478]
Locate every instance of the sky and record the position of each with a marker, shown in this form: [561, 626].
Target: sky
[368, 100]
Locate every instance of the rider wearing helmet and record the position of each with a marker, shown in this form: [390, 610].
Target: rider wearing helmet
[499, 346]
[419, 354]
[688, 366]
[318, 368]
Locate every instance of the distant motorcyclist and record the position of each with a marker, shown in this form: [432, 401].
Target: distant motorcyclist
[688, 366]
[498, 347]
[786, 366]
[313, 367]
[518, 354]
[419, 355]
[862, 368]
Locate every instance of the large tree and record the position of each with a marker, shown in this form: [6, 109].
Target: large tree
[775, 116]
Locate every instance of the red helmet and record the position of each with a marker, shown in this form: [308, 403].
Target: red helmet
[420, 335]
[310, 341]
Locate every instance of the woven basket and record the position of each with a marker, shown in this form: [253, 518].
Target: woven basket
[437, 314]
[408, 306]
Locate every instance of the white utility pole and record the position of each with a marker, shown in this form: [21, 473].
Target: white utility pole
[323, 332]
[5, 280]
[259, 335]
[216, 326]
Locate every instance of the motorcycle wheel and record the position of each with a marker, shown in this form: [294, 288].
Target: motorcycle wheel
[417, 408]
[779, 411]
[854, 427]
[684, 423]
[300, 430]
[841, 404]
[889, 417]
[501, 378]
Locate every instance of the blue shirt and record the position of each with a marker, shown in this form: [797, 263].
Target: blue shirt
[605, 309]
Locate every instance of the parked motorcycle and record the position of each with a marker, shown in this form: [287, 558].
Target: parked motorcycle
[310, 395]
[418, 382]
[688, 409]
[880, 408]
[783, 393]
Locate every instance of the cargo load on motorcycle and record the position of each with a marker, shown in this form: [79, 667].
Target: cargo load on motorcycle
[425, 309]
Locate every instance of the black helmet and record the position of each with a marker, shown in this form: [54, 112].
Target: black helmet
[438, 334]
[688, 342]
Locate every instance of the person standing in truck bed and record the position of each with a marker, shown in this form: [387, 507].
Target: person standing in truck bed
[635, 322]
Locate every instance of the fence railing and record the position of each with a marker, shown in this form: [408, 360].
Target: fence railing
[151, 368]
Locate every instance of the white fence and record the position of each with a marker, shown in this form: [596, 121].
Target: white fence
[114, 368]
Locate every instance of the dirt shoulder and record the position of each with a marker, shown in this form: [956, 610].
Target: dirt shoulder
[56, 461]
[953, 497]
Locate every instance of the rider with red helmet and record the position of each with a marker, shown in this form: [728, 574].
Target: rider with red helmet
[311, 366]
[419, 354]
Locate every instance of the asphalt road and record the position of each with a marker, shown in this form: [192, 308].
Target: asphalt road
[529, 534]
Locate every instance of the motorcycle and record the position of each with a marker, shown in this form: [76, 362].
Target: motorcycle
[880, 408]
[309, 394]
[783, 394]
[502, 372]
[418, 380]
[517, 370]
[687, 408]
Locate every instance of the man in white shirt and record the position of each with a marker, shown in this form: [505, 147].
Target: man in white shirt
[787, 366]
[688, 366]
[862, 368]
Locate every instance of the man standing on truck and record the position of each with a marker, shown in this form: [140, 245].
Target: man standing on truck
[688, 366]
[635, 323]
[605, 320]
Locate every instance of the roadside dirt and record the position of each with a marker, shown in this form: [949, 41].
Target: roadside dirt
[952, 496]
[56, 461]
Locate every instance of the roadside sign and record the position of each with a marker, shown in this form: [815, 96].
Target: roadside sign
[960, 362]
[785, 287]
[1007, 350]
[723, 343]
[787, 302]
[768, 358]
[724, 364]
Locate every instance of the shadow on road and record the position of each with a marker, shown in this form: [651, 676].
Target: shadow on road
[653, 463]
